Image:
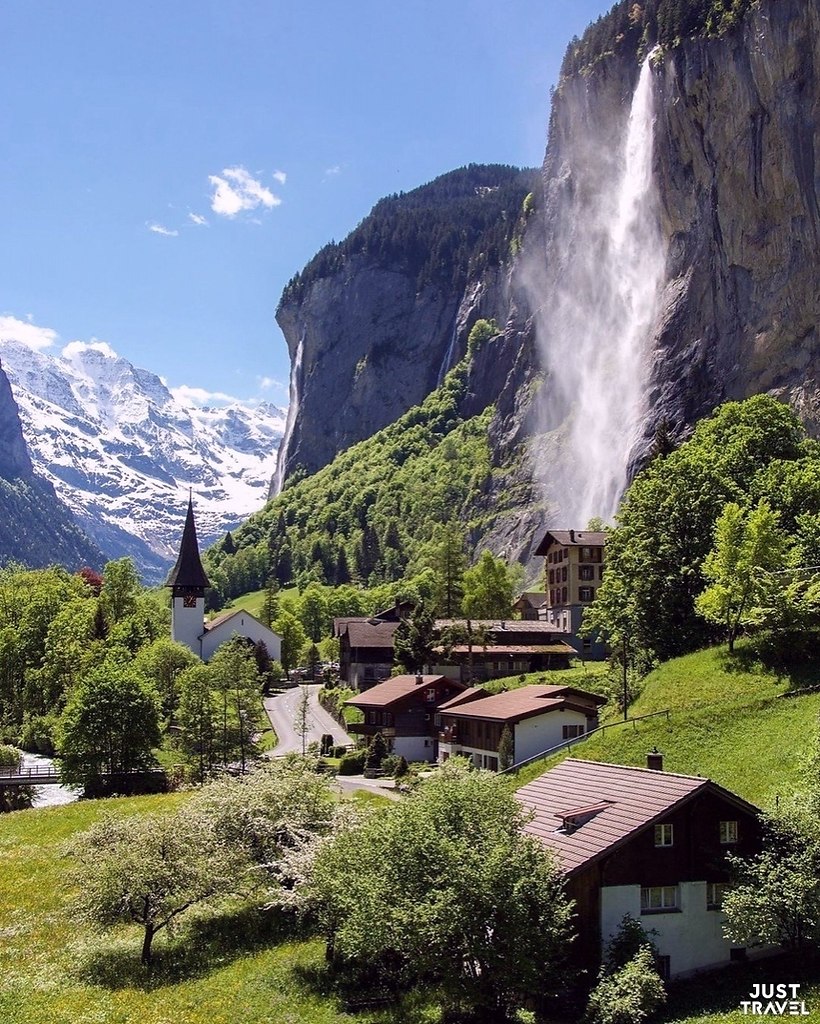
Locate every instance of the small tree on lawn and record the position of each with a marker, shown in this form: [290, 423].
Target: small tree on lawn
[630, 995]
[376, 752]
[148, 870]
[445, 887]
[506, 749]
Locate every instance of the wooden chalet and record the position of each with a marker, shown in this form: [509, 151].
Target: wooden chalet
[538, 717]
[403, 709]
[648, 843]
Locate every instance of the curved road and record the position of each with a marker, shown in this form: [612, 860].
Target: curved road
[282, 710]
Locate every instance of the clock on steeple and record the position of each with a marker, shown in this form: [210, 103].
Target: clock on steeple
[188, 582]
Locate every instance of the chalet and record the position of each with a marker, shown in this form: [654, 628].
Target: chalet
[648, 843]
[403, 710]
[365, 650]
[529, 604]
[572, 574]
[538, 717]
[188, 583]
[492, 648]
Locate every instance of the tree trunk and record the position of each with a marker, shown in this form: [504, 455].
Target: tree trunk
[148, 938]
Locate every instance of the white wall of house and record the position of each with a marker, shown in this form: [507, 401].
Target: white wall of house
[537, 734]
[244, 625]
[692, 937]
[480, 758]
[415, 748]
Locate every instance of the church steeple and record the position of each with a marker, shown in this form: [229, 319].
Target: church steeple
[188, 572]
[188, 581]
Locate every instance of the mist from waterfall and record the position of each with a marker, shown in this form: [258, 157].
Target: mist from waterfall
[290, 420]
[596, 321]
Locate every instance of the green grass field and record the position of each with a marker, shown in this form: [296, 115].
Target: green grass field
[729, 720]
[254, 601]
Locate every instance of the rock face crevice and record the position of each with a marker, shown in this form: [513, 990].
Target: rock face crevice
[14, 457]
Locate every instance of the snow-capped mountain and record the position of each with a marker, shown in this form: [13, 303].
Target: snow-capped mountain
[122, 451]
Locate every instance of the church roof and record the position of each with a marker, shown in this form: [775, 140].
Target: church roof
[188, 571]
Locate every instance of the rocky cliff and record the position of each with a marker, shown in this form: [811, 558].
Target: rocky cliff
[372, 324]
[623, 301]
[35, 527]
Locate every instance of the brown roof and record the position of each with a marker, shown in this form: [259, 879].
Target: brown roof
[395, 689]
[369, 633]
[571, 539]
[509, 625]
[612, 802]
[535, 598]
[470, 694]
[477, 649]
[525, 702]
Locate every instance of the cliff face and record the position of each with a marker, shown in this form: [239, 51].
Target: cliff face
[14, 457]
[373, 324]
[35, 527]
[739, 144]
[730, 210]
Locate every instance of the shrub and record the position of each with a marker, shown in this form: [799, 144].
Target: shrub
[628, 996]
[353, 763]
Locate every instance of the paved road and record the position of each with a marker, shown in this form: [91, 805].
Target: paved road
[282, 710]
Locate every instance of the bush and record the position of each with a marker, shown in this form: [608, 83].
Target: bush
[340, 750]
[37, 733]
[630, 995]
[9, 757]
[353, 763]
[395, 765]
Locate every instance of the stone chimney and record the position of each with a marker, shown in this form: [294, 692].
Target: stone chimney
[419, 679]
[572, 536]
[654, 760]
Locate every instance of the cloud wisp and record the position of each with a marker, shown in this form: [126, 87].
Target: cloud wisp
[198, 219]
[236, 191]
[26, 333]
[160, 229]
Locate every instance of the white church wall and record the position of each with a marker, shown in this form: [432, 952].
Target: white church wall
[243, 624]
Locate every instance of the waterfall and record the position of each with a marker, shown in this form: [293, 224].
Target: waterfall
[448, 355]
[595, 328]
[290, 419]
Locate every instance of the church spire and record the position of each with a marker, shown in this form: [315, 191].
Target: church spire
[188, 572]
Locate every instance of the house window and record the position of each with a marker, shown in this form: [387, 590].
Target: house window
[657, 898]
[585, 593]
[587, 572]
[369, 672]
[564, 595]
[586, 644]
[430, 695]
[728, 832]
[665, 967]
[564, 575]
[552, 575]
[388, 718]
[371, 716]
[569, 732]
[586, 554]
[715, 892]
[663, 835]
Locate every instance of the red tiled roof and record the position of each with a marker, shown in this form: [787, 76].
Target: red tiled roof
[525, 702]
[635, 798]
[395, 689]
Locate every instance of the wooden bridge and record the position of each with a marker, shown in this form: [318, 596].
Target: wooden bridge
[30, 775]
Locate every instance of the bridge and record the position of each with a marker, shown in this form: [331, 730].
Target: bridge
[30, 775]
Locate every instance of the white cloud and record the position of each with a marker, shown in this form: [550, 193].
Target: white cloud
[280, 176]
[266, 383]
[236, 191]
[160, 229]
[331, 172]
[198, 219]
[187, 395]
[26, 333]
[77, 348]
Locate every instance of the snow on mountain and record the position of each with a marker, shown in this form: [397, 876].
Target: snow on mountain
[122, 451]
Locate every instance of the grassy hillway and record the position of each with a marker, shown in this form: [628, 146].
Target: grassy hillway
[730, 719]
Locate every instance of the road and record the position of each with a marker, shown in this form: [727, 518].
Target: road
[281, 711]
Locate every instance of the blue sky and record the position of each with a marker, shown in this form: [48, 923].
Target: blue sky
[168, 166]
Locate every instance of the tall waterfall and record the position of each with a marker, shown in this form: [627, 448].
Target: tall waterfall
[596, 324]
[290, 419]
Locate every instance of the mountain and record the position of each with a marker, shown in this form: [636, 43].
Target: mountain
[122, 451]
[35, 526]
[665, 261]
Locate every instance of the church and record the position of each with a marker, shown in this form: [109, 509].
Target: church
[188, 582]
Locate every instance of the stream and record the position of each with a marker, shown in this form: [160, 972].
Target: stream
[49, 796]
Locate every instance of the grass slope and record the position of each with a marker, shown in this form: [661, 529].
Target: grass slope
[730, 719]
